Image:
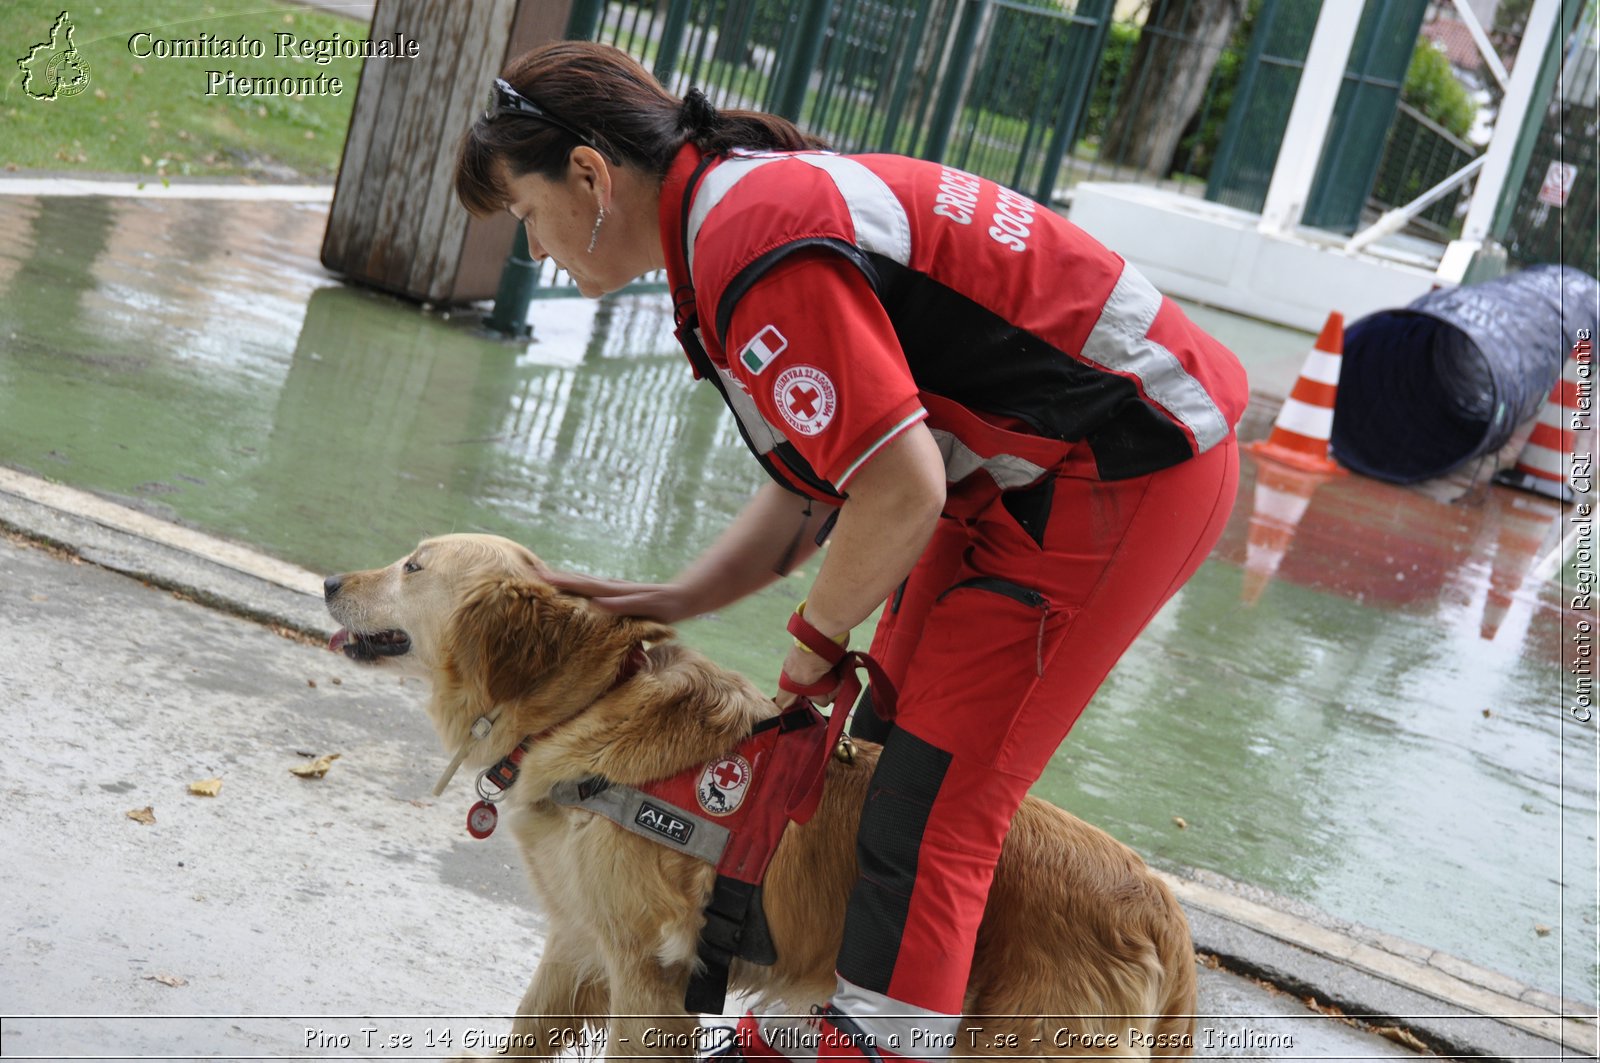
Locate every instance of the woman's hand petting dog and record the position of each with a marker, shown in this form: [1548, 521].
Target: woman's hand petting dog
[666, 602]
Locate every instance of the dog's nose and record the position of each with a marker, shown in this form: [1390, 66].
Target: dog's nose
[330, 587]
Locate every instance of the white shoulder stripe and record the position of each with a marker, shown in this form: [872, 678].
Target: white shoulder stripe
[881, 224]
[714, 187]
[880, 221]
[1119, 342]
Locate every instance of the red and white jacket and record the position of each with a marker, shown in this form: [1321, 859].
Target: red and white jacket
[842, 299]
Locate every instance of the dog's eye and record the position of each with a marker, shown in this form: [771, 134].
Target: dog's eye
[412, 566]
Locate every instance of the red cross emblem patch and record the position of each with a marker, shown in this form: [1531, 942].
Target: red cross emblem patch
[805, 398]
[723, 784]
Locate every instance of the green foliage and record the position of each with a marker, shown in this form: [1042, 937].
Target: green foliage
[1120, 43]
[1432, 88]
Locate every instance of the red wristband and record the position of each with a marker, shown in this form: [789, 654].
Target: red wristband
[808, 636]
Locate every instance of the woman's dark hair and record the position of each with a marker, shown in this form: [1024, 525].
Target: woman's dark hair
[623, 112]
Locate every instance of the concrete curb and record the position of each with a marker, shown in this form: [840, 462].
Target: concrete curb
[123, 188]
[1454, 1007]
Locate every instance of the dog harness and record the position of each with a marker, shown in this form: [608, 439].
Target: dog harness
[731, 811]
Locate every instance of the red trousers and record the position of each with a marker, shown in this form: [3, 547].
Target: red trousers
[1002, 633]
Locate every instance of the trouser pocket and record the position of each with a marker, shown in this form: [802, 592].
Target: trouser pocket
[1016, 592]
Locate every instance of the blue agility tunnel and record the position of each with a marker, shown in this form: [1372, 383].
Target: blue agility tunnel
[1425, 389]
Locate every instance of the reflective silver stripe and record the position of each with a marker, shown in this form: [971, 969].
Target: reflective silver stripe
[895, 1025]
[763, 436]
[622, 805]
[961, 461]
[880, 221]
[715, 185]
[1119, 342]
[881, 224]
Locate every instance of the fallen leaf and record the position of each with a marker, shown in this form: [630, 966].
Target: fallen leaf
[206, 787]
[1401, 1037]
[317, 768]
[1542, 930]
[167, 979]
[1182, 823]
[1487, 714]
[145, 815]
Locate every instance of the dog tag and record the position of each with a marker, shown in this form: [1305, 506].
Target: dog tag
[481, 819]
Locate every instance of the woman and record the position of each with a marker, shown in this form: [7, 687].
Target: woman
[1027, 450]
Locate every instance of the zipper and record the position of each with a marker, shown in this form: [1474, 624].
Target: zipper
[1017, 593]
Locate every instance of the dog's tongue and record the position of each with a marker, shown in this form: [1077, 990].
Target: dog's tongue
[340, 637]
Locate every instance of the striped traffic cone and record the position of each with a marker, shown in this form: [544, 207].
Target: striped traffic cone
[1522, 525]
[1542, 466]
[1305, 424]
[1282, 496]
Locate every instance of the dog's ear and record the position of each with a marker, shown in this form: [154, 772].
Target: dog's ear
[505, 637]
[650, 630]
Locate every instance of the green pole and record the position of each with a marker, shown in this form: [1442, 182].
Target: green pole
[509, 318]
[813, 33]
[1083, 62]
[1538, 111]
[583, 22]
[955, 78]
[902, 81]
[672, 31]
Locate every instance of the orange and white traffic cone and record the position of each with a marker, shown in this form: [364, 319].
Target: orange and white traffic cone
[1305, 423]
[1281, 497]
[1542, 466]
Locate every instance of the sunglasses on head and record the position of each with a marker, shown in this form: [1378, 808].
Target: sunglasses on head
[503, 99]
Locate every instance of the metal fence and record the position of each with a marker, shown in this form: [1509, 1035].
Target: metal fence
[1417, 155]
[997, 87]
[1538, 230]
[999, 84]
[1033, 94]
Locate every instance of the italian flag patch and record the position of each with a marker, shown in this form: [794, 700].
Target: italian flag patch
[763, 347]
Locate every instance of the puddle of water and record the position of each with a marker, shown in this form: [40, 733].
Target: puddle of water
[1356, 703]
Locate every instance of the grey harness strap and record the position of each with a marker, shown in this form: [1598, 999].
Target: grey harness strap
[646, 815]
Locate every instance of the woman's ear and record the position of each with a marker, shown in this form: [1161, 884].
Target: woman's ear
[588, 169]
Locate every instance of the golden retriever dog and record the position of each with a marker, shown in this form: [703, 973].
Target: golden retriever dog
[1082, 951]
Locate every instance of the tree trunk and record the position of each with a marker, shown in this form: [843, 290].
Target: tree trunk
[1166, 81]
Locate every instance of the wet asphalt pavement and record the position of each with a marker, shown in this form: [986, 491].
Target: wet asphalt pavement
[1351, 711]
[283, 915]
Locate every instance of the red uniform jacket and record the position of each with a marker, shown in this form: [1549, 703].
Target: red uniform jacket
[842, 299]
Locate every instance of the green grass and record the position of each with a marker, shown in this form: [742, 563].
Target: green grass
[151, 116]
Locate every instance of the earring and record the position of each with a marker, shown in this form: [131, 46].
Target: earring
[595, 234]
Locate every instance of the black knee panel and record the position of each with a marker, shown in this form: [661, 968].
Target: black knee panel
[899, 802]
